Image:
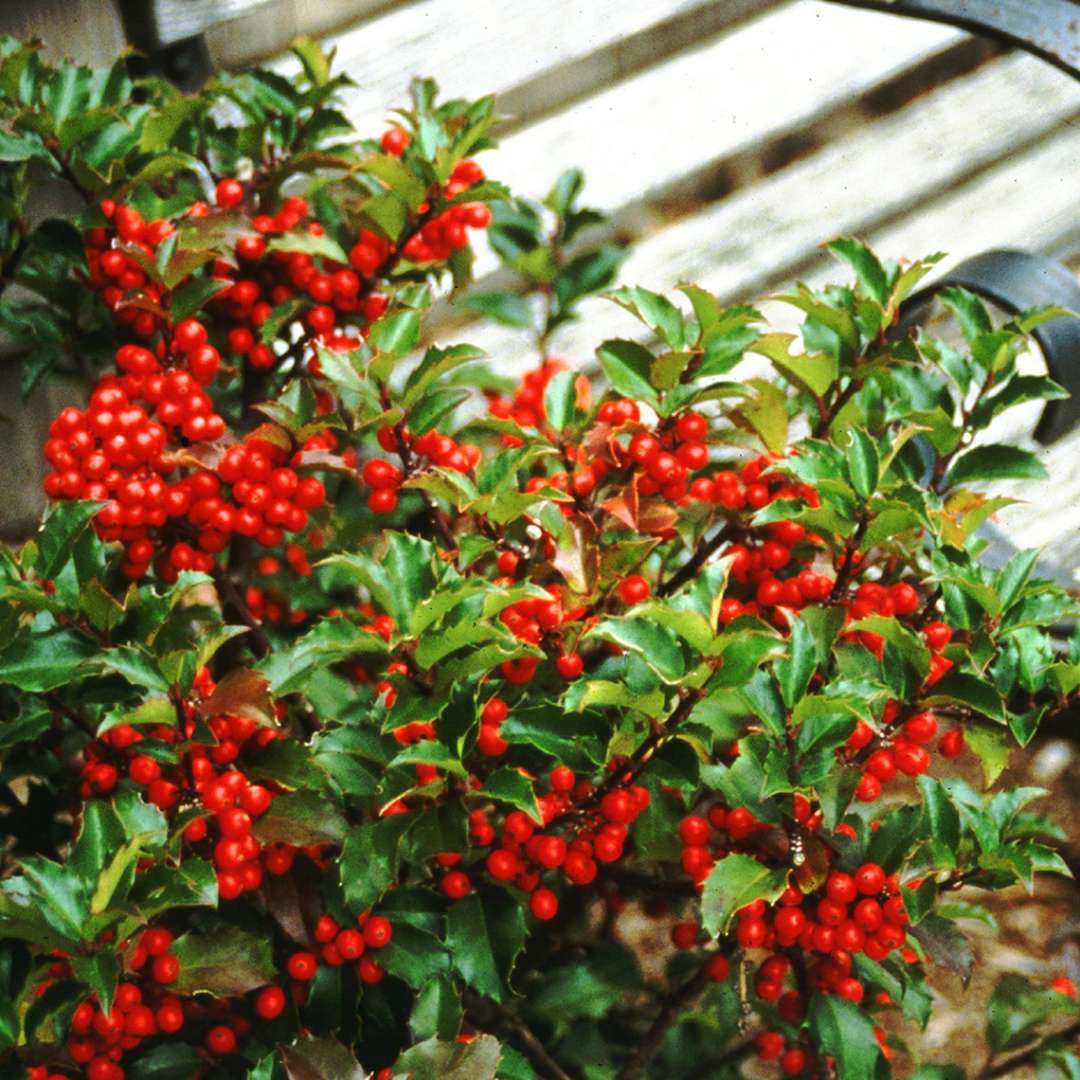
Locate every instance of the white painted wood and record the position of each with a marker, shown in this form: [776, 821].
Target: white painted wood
[891, 175]
[490, 46]
[775, 74]
[175, 20]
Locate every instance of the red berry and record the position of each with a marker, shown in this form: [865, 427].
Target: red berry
[455, 885]
[221, 1040]
[166, 968]
[229, 193]
[905, 599]
[937, 635]
[543, 904]
[270, 1003]
[869, 879]
[569, 665]
[952, 743]
[793, 1062]
[694, 830]
[302, 966]
[634, 589]
[718, 967]
[769, 1045]
[350, 944]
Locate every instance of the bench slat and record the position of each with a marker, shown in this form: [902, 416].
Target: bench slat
[768, 233]
[534, 60]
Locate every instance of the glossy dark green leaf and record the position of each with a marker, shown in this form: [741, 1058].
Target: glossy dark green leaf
[314, 1057]
[734, 882]
[369, 860]
[997, 462]
[434, 1059]
[225, 962]
[628, 367]
[845, 1032]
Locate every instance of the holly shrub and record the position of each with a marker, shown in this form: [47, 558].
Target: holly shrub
[361, 704]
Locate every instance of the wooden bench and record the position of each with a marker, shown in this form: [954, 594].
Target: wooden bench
[728, 140]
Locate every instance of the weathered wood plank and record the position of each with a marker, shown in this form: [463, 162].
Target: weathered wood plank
[875, 181]
[722, 98]
[535, 57]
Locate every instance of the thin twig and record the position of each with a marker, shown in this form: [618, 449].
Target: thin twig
[822, 426]
[669, 1014]
[231, 598]
[1026, 1057]
[705, 549]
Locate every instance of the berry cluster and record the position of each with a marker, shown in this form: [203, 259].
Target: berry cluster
[160, 501]
[340, 946]
[582, 826]
[384, 478]
[203, 788]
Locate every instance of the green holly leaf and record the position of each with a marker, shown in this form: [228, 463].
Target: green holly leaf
[734, 882]
[656, 312]
[842, 1030]
[997, 462]
[628, 367]
[226, 962]
[484, 935]
[655, 644]
[64, 523]
[1016, 1009]
[315, 1057]
[507, 785]
[369, 860]
[434, 1059]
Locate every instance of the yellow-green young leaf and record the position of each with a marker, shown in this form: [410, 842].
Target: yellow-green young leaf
[628, 367]
[816, 371]
[316, 62]
[991, 747]
[765, 414]
[734, 882]
[667, 369]
[907, 281]
[707, 309]
[111, 876]
[963, 512]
